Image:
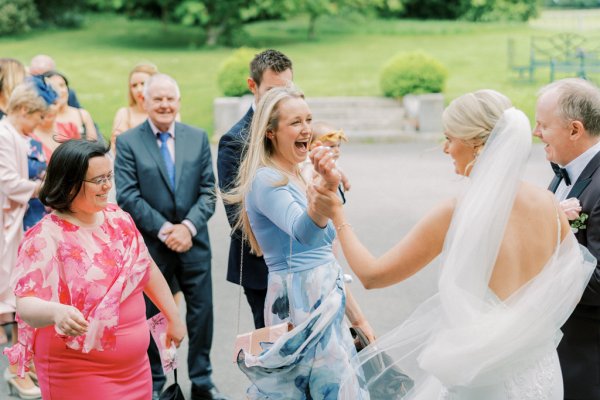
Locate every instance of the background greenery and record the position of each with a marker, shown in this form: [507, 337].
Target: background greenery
[344, 60]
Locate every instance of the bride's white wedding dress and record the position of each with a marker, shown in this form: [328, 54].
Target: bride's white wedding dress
[464, 342]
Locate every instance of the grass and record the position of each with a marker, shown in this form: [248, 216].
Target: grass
[345, 60]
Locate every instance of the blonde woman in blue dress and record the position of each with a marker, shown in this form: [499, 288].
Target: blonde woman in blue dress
[305, 282]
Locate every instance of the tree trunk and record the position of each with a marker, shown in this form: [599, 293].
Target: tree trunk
[312, 21]
[164, 16]
[213, 33]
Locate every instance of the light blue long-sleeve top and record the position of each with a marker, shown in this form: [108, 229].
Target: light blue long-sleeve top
[278, 212]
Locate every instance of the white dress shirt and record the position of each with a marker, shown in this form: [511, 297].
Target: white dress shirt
[171, 147]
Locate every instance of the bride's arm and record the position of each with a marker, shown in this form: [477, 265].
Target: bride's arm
[419, 247]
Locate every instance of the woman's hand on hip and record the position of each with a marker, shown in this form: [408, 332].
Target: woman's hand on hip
[68, 320]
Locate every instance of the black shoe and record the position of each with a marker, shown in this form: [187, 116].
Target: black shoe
[207, 394]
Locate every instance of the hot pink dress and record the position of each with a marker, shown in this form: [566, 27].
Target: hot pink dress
[102, 272]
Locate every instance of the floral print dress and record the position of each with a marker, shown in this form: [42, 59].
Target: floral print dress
[101, 271]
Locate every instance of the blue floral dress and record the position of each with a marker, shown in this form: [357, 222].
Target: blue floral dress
[36, 163]
[306, 288]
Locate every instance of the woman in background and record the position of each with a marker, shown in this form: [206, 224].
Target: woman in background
[134, 114]
[12, 72]
[70, 122]
[26, 107]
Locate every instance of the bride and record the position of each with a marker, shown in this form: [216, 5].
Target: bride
[511, 273]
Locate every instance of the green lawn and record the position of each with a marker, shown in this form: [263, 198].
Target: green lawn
[344, 60]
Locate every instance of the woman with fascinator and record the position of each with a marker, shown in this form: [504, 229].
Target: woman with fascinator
[21, 169]
[511, 270]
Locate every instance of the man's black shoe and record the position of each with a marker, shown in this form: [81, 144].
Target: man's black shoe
[207, 394]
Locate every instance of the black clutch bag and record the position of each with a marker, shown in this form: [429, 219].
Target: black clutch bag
[173, 392]
[391, 384]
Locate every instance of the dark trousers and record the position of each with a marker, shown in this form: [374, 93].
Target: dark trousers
[196, 284]
[256, 300]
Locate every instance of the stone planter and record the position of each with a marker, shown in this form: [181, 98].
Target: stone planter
[424, 113]
[362, 118]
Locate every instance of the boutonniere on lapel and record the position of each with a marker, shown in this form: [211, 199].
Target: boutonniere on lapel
[572, 209]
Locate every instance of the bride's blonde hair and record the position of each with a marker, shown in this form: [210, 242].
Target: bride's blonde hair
[472, 117]
[258, 153]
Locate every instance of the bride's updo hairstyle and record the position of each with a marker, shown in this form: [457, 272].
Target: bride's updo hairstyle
[472, 116]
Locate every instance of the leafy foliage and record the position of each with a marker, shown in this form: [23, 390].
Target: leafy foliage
[220, 20]
[572, 3]
[314, 8]
[234, 71]
[412, 73]
[500, 10]
[65, 13]
[17, 16]
[471, 10]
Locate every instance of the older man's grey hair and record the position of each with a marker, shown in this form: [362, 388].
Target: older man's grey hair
[40, 64]
[160, 78]
[578, 100]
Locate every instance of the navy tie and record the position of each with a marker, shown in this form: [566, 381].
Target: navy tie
[561, 173]
[164, 151]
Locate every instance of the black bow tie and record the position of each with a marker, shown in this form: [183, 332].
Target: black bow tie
[561, 173]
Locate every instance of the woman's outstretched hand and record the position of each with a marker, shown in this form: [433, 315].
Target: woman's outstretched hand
[323, 161]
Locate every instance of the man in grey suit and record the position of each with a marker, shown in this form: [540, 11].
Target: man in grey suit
[165, 180]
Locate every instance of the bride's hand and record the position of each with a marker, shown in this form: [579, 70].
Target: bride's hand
[323, 161]
[323, 201]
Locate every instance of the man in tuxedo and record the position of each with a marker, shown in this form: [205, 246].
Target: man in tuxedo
[165, 180]
[268, 69]
[568, 123]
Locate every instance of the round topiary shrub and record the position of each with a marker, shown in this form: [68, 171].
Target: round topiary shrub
[17, 16]
[412, 73]
[234, 71]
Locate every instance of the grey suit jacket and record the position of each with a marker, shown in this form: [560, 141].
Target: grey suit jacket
[143, 188]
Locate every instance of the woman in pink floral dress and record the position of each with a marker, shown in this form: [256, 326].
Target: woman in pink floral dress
[79, 279]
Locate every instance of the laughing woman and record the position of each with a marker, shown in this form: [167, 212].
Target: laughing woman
[305, 284]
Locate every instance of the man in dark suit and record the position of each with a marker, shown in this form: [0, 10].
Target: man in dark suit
[568, 122]
[164, 179]
[268, 69]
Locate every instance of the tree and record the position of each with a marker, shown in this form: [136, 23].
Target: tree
[314, 8]
[219, 19]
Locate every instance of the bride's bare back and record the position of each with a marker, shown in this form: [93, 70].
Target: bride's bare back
[529, 241]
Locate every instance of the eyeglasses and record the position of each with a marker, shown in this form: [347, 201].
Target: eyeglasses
[101, 180]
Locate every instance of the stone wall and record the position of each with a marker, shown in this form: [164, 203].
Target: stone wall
[362, 118]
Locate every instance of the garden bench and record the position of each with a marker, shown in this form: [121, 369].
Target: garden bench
[565, 52]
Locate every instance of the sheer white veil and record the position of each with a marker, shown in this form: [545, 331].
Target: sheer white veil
[464, 335]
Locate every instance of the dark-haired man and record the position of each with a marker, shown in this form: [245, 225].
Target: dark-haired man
[268, 69]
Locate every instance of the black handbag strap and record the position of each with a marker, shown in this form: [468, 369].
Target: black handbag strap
[175, 374]
[241, 272]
